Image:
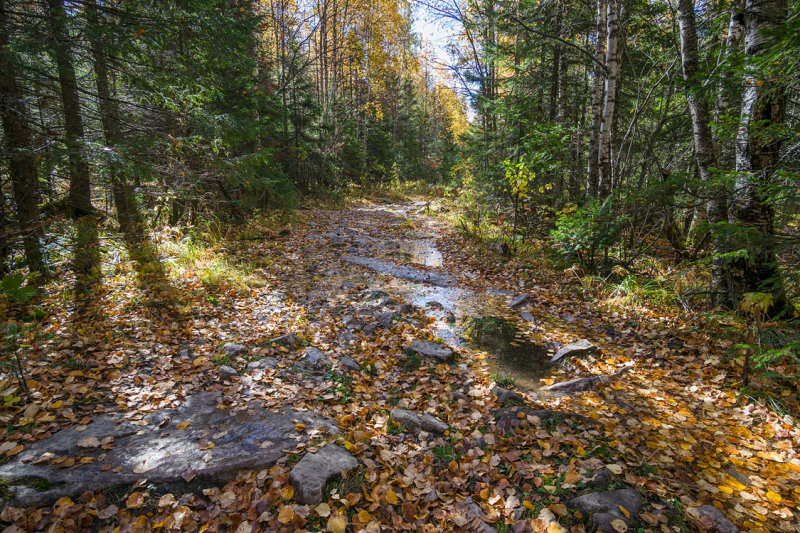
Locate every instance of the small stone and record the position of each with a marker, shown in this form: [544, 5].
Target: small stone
[314, 357]
[458, 395]
[262, 364]
[385, 319]
[227, 372]
[601, 479]
[315, 470]
[434, 305]
[289, 340]
[404, 309]
[527, 317]
[369, 329]
[713, 519]
[520, 301]
[232, 349]
[450, 318]
[410, 419]
[604, 507]
[573, 385]
[431, 349]
[576, 348]
[348, 285]
[349, 363]
[504, 395]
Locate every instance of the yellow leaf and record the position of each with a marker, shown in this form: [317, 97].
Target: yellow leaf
[206, 445]
[614, 469]
[528, 505]
[15, 450]
[625, 512]
[323, 510]
[392, 498]
[726, 489]
[349, 445]
[287, 492]
[56, 405]
[300, 427]
[337, 524]
[774, 497]
[619, 525]
[558, 508]
[581, 451]
[286, 515]
[364, 517]
[183, 425]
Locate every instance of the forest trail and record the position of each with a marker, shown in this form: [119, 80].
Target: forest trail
[238, 403]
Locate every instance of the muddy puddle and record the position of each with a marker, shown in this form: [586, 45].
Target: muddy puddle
[511, 353]
[465, 317]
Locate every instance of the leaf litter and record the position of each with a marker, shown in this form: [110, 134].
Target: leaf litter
[674, 427]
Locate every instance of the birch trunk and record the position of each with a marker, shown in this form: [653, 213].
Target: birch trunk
[593, 171]
[610, 102]
[757, 147]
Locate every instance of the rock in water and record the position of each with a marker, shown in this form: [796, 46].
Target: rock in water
[227, 372]
[604, 507]
[519, 301]
[428, 422]
[215, 445]
[575, 348]
[312, 473]
[431, 349]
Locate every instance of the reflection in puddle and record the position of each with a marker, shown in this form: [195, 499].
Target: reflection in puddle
[421, 252]
[513, 355]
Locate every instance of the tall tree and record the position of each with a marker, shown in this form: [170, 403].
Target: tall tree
[598, 84]
[610, 100]
[21, 159]
[757, 145]
[80, 186]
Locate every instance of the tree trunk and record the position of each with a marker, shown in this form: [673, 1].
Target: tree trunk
[610, 103]
[704, 152]
[110, 119]
[757, 146]
[733, 42]
[21, 161]
[80, 188]
[593, 170]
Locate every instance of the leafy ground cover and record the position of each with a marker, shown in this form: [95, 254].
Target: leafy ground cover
[678, 426]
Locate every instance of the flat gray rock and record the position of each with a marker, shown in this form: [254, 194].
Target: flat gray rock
[520, 301]
[527, 317]
[427, 421]
[251, 438]
[400, 271]
[262, 364]
[604, 507]
[576, 348]
[312, 473]
[713, 520]
[232, 349]
[432, 349]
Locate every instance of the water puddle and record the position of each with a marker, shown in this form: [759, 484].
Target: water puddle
[511, 353]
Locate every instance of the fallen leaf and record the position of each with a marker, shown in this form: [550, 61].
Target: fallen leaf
[323, 510]
[619, 525]
[337, 524]
[136, 500]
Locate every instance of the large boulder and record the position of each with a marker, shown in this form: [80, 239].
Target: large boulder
[604, 508]
[581, 347]
[310, 476]
[433, 350]
[194, 440]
